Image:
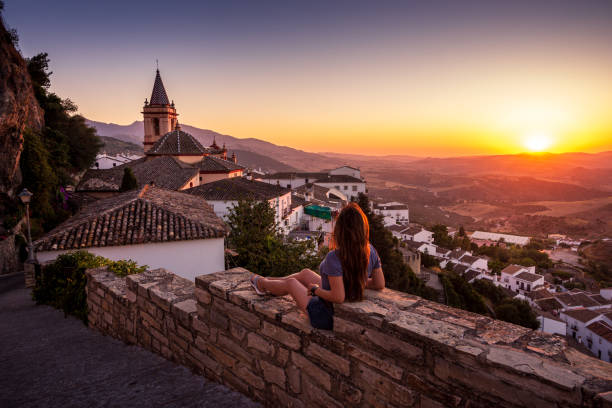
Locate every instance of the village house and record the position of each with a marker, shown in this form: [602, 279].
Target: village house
[481, 238]
[105, 161]
[417, 233]
[577, 298]
[592, 329]
[397, 211]
[521, 279]
[345, 179]
[153, 226]
[224, 194]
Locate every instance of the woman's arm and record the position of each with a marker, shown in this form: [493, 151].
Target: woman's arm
[377, 281]
[336, 294]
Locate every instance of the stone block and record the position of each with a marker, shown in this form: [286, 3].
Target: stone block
[234, 382]
[273, 374]
[294, 379]
[159, 336]
[427, 402]
[231, 347]
[177, 342]
[274, 307]
[285, 400]
[244, 317]
[244, 373]
[283, 336]
[385, 365]
[220, 356]
[259, 343]
[219, 319]
[312, 370]
[243, 298]
[184, 333]
[237, 330]
[202, 296]
[318, 397]
[149, 321]
[200, 327]
[185, 311]
[131, 296]
[203, 361]
[428, 329]
[328, 358]
[373, 382]
[298, 320]
[282, 356]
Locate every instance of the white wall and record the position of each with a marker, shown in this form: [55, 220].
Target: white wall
[600, 347]
[346, 171]
[351, 190]
[551, 326]
[184, 258]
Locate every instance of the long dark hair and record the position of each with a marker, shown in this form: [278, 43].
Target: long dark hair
[350, 240]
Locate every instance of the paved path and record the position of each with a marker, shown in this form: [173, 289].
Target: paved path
[47, 360]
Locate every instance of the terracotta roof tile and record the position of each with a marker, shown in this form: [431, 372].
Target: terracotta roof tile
[177, 143]
[237, 188]
[528, 276]
[583, 315]
[602, 329]
[158, 96]
[215, 164]
[150, 214]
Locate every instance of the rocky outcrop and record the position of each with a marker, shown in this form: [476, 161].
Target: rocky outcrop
[18, 110]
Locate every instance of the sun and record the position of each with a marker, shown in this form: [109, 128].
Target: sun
[537, 141]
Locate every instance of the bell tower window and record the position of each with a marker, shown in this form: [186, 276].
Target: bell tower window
[156, 126]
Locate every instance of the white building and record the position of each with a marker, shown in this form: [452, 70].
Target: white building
[397, 211]
[552, 325]
[152, 226]
[105, 161]
[521, 279]
[474, 262]
[417, 233]
[495, 237]
[592, 329]
[224, 194]
[342, 179]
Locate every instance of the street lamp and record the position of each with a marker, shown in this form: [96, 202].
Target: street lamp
[25, 196]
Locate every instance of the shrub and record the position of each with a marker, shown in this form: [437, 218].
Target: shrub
[62, 283]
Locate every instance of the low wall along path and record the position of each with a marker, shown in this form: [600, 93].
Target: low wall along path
[392, 349]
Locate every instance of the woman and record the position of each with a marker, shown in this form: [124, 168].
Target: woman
[346, 271]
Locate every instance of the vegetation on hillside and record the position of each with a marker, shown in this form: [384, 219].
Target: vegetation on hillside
[51, 158]
[259, 245]
[113, 146]
[529, 255]
[483, 297]
[62, 283]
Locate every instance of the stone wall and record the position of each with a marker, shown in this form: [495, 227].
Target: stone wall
[392, 349]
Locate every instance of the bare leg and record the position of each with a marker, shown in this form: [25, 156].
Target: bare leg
[306, 277]
[288, 286]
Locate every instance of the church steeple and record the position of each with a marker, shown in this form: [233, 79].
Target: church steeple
[160, 116]
[159, 96]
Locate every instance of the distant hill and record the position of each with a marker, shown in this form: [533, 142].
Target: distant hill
[263, 151]
[113, 146]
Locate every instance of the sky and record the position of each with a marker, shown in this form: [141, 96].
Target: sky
[435, 78]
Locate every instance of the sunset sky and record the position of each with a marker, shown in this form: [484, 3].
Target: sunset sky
[439, 78]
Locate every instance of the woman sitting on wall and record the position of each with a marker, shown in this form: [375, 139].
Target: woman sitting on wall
[352, 266]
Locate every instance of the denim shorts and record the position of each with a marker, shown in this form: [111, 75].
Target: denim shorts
[321, 313]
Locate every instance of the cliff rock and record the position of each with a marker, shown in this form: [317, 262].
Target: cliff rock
[19, 109]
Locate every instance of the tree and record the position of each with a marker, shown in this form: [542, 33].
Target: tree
[461, 232]
[128, 182]
[261, 249]
[441, 237]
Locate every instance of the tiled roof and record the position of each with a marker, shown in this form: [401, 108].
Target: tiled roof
[602, 329]
[539, 294]
[290, 175]
[458, 253]
[158, 96]
[471, 274]
[529, 277]
[338, 178]
[395, 227]
[469, 259]
[237, 188]
[413, 245]
[164, 171]
[512, 269]
[460, 269]
[549, 304]
[600, 299]
[150, 214]
[296, 201]
[411, 230]
[215, 164]
[582, 315]
[177, 143]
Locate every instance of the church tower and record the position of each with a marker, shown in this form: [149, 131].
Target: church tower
[159, 114]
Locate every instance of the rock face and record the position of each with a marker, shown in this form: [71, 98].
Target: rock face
[18, 111]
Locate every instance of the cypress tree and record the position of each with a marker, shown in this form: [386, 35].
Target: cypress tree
[129, 181]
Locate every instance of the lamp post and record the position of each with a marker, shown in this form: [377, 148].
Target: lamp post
[25, 196]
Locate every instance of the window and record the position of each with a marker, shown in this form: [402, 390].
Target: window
[200, 178]
[288, 185]
[306, 181]
[156, 126]
[337, 187]
[190, 184]
[114, 164]
[97, 165]
[354, 188]
[346, 187]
